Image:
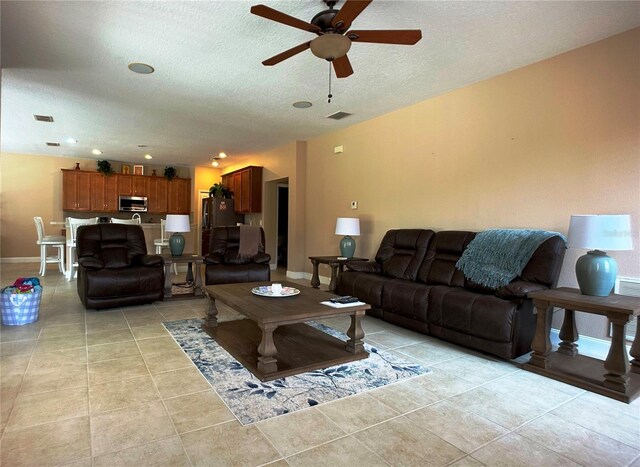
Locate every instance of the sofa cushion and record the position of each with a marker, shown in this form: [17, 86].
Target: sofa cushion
[122, 282]
[484, 316]
[409, 299]
[545, 263]
[401, 252]
[439, 265]
[115, 257]
[364, 285]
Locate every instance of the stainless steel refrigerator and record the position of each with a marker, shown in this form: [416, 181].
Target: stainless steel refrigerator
[216, 213]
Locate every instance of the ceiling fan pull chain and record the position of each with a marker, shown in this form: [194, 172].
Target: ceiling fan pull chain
[330, 95]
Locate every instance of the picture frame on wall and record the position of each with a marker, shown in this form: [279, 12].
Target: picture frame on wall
[138, 170]
[126, 169]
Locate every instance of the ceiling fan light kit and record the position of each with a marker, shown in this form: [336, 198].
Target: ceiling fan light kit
[330, 46]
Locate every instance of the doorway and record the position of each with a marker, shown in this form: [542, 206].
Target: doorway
[282, 215]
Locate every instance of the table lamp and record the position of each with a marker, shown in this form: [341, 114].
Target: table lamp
[596, 272]
[347, 226]
[177, 223]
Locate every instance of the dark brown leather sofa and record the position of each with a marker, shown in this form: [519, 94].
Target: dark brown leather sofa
[225, 266]
[114, 268]
[414, 283]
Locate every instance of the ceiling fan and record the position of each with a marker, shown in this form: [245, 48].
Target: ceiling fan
[334, 38]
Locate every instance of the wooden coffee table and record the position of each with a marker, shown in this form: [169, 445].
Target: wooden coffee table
[274, 341]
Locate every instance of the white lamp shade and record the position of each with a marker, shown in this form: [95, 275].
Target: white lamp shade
[348, 226]
[177, 223]
[600, 232]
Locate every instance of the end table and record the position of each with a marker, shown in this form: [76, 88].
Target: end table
[189, 259]
[614, 377]
[336, 265]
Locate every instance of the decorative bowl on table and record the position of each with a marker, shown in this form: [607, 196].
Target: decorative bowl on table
[265, 291]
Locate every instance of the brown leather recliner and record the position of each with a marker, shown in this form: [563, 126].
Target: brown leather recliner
[114, 268]
[225, 266]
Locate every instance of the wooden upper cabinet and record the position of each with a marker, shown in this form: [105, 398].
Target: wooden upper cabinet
[93, 191]
[246, 185]
[76, 190]
[104, 192]
[158, 194]
[179, 199]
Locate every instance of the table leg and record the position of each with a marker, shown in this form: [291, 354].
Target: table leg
[617, 363]
[197, 286]
[541, 344]
[267, 362]
[355, 333]
[333, 285]
[315, 278]
[635, 349]
[167, 278]
[568, 334]
[189, 277]
[211, 320]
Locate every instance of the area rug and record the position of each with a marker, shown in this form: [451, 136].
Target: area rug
[251, 400]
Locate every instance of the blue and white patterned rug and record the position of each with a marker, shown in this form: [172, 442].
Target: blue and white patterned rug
[251, 400]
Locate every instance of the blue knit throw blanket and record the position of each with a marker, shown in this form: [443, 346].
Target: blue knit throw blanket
[495, 257]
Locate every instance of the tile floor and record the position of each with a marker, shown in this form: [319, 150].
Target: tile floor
[112, 388]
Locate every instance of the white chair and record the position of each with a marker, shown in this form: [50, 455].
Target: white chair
[163, 242]
[125, 221]
[49, 241]
[73, 223]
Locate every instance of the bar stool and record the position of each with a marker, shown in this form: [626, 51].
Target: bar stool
[163, 242]
[73, 224]
[49, 241]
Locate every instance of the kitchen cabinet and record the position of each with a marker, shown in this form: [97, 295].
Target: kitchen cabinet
[76, 190]
[84, 190]
[246, 185]
[179, 196]
[104, 192]
[158, 194]
[133, 185]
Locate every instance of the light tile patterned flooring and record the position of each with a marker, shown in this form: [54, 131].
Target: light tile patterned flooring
[112, 388]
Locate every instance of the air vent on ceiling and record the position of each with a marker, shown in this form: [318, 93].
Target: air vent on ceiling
[339, 115]
[43, 118]
[53, 144]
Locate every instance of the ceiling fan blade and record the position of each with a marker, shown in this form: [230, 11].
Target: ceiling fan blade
[342, 67]
[391, 36]
[286, 54]
[275, 15]
[349, 11]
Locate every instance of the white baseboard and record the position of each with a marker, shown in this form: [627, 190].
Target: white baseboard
[21, 259]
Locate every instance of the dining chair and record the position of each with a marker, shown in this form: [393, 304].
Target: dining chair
[135, 221]
[163, 242]
[73, 223]
[49, 241]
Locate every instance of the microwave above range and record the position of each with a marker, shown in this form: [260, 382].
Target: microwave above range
[132, 203]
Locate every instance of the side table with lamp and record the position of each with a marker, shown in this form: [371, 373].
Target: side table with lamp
[178, 224]
[596, 274]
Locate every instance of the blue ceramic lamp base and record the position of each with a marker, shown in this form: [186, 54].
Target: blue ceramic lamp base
[176, 244]
[347, 247]
[596, 273]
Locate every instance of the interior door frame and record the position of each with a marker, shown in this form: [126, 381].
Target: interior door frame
[202, 194]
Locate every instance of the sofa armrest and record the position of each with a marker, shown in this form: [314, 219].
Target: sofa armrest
[364, 266]
[213, 258]
[151, 260]
[518, 289]
[91, 262]
[261, 258]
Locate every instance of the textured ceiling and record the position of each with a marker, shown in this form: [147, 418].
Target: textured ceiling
[210, 93]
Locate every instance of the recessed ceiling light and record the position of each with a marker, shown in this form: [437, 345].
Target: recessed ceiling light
[222, 155]
[72, 141]
[141, 68]
[96, 152]
[215, 164]
[148, 156]
[302, 104]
